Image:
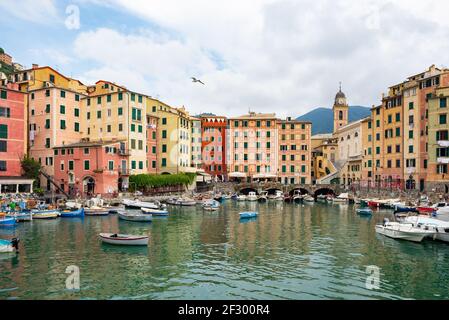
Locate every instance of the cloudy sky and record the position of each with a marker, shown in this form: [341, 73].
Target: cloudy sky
[283, 56]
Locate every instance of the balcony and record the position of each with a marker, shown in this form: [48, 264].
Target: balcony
[124, 152]
[443, 160]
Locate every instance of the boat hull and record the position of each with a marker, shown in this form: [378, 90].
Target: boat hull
[124, 240]
[364, 212]
[8, 222]
[21, 217]
[135, 217]
[73, 214]
[415, 236]
[155, 212]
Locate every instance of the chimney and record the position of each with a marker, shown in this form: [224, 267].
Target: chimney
[35, 66]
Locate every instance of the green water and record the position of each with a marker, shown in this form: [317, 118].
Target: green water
[311, 251]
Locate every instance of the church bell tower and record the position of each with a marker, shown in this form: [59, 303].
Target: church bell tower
[341, 110]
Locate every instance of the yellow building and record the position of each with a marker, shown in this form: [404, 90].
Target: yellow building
[113, 113]
[174, 137]
[324, 153]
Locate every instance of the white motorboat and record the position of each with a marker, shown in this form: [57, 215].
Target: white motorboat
[297, 196]
[342, 198]
[277, 196]
[403, 231]
[73, 205]
[321, 198]
[440, 227]
[155, 212]
[263, 197]
[124, 239]
[241, 197]
[211, 205]
[137, 204]
[252, 196]
[309, 198]
[135, 216]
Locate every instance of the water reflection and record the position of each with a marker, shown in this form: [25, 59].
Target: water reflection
[290, 251]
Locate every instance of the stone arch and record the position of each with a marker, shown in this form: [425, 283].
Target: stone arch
[324, 191]
[272, 191]
[165, 173]
[302, 190]
[246, 191]
[89, 185]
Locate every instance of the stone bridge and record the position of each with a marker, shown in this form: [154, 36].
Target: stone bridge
[313, 190]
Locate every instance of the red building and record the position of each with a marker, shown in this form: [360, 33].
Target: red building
[213, 145]
[91, 168]
[152, 122]
[13, 119]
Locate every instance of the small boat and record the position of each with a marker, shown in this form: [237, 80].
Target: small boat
[277, 196]
[297, 197]
[96, 211]
[115, 210]
[45, 214]
[342, 198]
[364, 211]
[321, 198]
[263, 197]
[72, 213]
[8, 222]
[136, 217]
[211, 205]
[227, 197]
[403, 231]
[124, 239]
[136, 204]
[441, 228]
[155, 212]
[309, 198]
[218, 197]
[252, 196]
[247, 215]
[171, 201]
[425, 209]
[20, 216]
[186, 202]
[241, 197]
[399, 209]
[9, 246]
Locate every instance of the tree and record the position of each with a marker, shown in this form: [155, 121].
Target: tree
[30, 168]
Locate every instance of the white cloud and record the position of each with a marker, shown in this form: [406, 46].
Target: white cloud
[285, 56]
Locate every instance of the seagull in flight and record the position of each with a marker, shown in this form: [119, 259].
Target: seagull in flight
[197, 80]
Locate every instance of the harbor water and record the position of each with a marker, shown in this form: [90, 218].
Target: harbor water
[309, 251]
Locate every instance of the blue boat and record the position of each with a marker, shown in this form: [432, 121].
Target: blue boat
[8, 222]
[20, 216]
[247, 215]
[72, 214]
[364, 211]
[399, 209]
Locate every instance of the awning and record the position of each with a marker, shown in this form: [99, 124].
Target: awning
[264, 176]
[237, 175]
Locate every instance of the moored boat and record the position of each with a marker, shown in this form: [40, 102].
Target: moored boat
[403, 231]
[137, 204]
[155, 212]
[309, 198]
[7, 222]
[124, 239]
[252, 196]
[9, 246]
[135, 217]
[247, 215]
[211, 205]
[441, 228]
[186, 202]
[20, 216]
[72, 213]
[241, 197]
[45, 214]
[96, 211]
[364, 211]
[277, 196]
[263, 196]
[342, 198]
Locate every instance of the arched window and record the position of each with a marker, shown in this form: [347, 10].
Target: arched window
[340, 115]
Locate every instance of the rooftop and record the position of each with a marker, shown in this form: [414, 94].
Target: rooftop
[85, 144]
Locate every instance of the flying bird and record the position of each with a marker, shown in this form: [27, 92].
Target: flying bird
[196, 80]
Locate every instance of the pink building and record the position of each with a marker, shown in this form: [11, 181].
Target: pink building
[90, 168]
[54, 120]
[213, 140]
[12, 130]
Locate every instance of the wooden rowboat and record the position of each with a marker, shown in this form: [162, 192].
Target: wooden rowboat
[124, 239]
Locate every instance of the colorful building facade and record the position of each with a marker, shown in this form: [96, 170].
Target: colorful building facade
[213, 148]
[152, 123]
[13, 129]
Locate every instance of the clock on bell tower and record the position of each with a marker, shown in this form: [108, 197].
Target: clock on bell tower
[341, 110]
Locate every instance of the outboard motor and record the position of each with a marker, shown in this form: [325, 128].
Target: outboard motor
[15, 243]
[386, 220]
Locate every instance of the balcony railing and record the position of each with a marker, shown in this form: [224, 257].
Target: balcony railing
[443, 160]
[443, 143]
[124, 172]
[123, 152]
